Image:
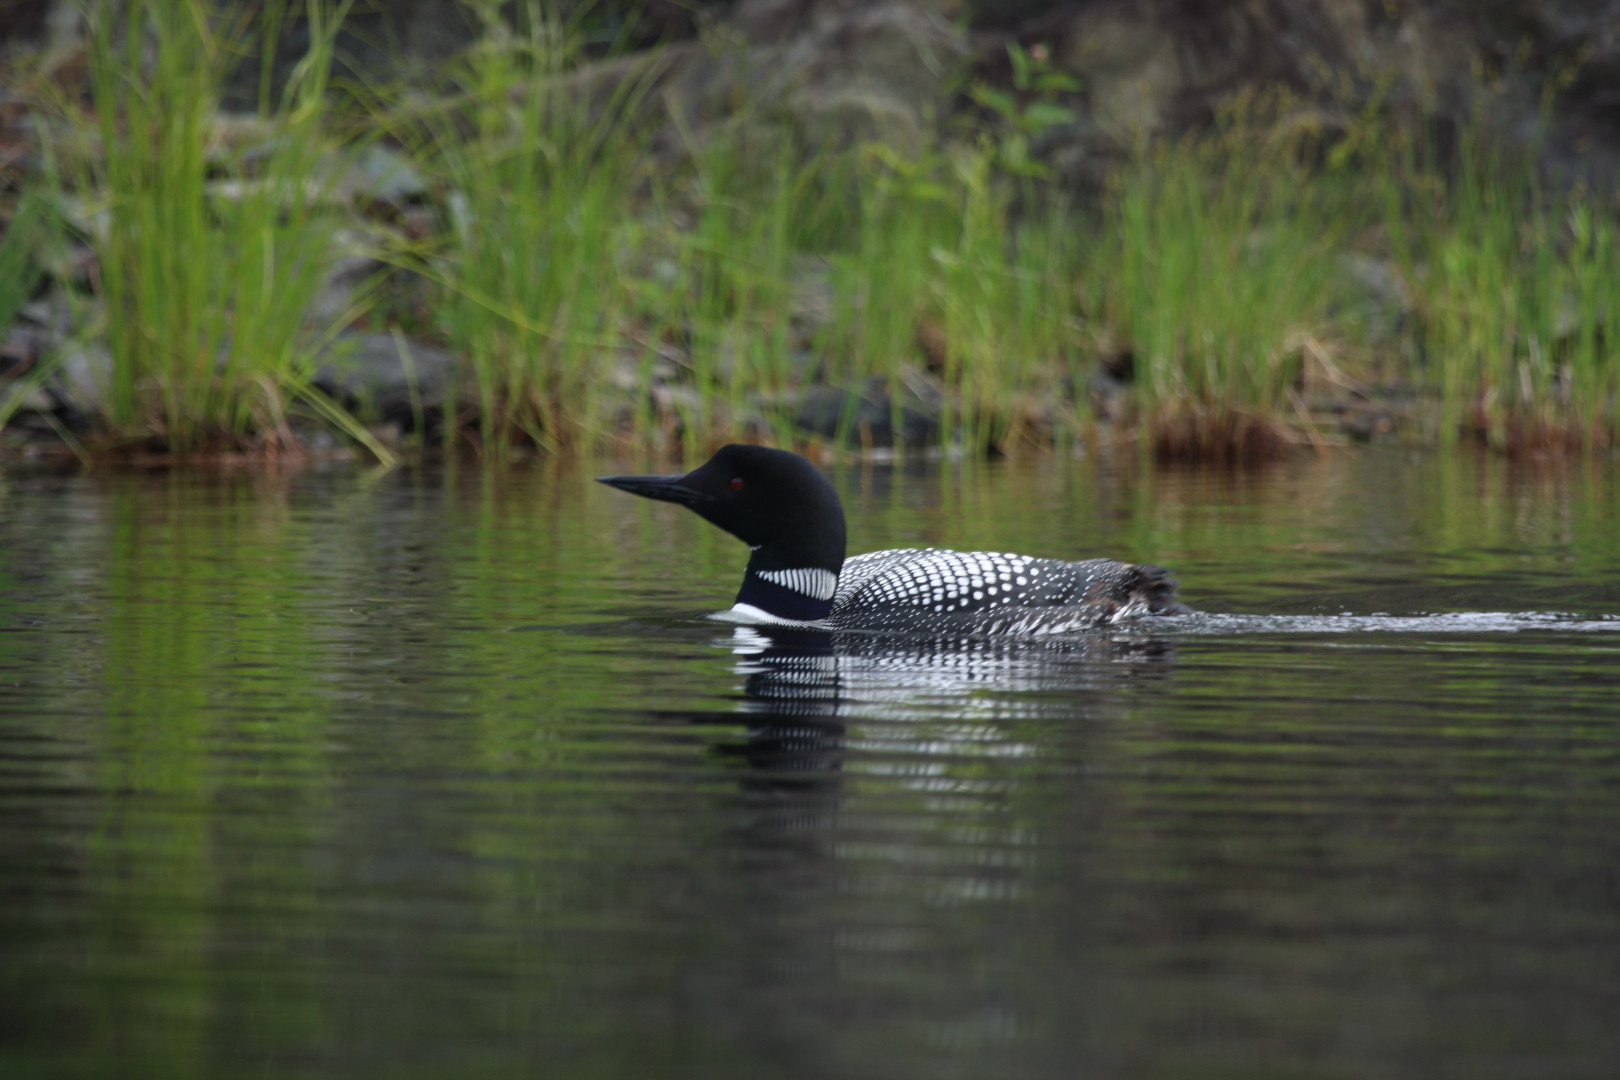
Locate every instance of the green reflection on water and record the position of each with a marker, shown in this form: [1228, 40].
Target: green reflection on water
[324, 773]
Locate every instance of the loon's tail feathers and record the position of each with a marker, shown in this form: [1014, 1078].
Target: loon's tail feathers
[1157, 589]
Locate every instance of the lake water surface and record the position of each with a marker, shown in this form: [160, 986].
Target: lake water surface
[334, 772]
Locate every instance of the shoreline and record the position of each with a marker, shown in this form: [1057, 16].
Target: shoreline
[544, 254]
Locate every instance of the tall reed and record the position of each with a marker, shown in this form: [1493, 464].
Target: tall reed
[1005, 279]
[205, 285]
[533, 270]
[1518, 287]
[943, 288]
[719, 251]
[1219, 255]
[882, 275]
[1590, 354]
[22, 249]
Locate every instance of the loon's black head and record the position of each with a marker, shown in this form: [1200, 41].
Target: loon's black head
[778, 504]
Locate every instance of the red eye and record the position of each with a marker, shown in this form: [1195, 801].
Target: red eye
[736, 483]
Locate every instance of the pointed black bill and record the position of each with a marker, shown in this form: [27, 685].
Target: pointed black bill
[662, 488]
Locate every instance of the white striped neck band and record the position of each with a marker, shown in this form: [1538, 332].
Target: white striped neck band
[811, 581]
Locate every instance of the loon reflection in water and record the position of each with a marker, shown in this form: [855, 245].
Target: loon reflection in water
[790, 517]
[802, 686]
[803, 671]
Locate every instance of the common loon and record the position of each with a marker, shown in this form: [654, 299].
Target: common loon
[790, 517]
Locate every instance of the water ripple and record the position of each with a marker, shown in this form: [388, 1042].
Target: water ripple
[1453, 622]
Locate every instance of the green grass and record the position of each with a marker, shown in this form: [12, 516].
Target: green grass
[26, 236]
[715, 297]
[599, 287]
[22, 239]
[932, 288]
[1517, 287]
[944, 284]
[209, 256]
[533, 262]
[567, 264]
[1008, 307]
[1219, 258]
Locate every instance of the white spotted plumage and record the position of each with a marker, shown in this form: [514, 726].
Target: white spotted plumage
[987, 591]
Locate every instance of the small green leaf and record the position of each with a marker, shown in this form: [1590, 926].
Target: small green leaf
[1043, 114]
[1021, 64]
[1002, 102]
[1057, 82]
[930, 191]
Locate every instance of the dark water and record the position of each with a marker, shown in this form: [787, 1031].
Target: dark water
[385, 774]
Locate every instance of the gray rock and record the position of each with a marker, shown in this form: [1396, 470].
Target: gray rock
[386, 377]
[22, 396]
[81, 377]
[53, 312]
[375, 174]
[867, 417]
[1158, 67]
[1373, 294]
[351, 278]
[341, 293]
[841, 71]
[877, 71]
[812, 298]
[380, 174]
[1129, 61]
[24, 345]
